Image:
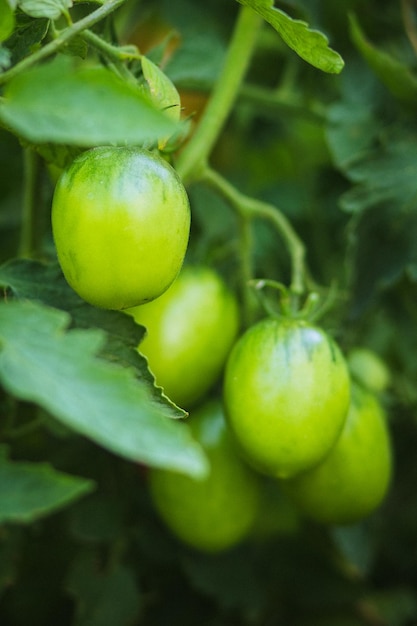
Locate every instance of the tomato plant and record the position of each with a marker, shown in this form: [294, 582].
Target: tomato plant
[113, 210]
[286, 394]
[210, 151]
[354, 477]
[190, 330]
[216, 512]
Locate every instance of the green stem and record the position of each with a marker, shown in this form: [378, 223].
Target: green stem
[248, 297]
[114, 53]
[253, 208]
[197, 151]
[64, 36]
[32, 226]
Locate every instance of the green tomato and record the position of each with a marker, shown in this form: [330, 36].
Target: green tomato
[120, 221]
[286, 393]
[216, 512]
[353, 479]
[191, 329]
[368, 369]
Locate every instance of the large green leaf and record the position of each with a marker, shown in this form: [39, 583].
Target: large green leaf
[89, 105]
[27, 35]
[42, 362]
[29, 491]
[32, 280]
[310, 45]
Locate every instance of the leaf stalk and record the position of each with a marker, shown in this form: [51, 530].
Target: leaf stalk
[194, 156]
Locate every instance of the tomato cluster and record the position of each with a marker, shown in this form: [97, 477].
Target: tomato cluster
[288, 405]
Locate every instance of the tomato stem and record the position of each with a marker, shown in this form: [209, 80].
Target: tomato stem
[246, 270]
[250, 208]
[197, 151]
[32, 219]
[64, 36]
[116, 54]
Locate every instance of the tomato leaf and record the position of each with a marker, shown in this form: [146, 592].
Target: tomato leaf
[6, 19]
[45, 282]
[97, 399]
[50, 9]
[29, 491]
[310, 45]
[396, 77]
[27, 34]
[83, 106]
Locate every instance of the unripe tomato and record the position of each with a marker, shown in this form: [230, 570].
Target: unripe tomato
[286, 393]
[353, 479]
[368, 369]
[191, 329]
[120, 221]
[217, 512]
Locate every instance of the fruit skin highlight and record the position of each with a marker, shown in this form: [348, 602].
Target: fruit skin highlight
[217, 512]
[353, 479]
[286, 394]
[121, 222]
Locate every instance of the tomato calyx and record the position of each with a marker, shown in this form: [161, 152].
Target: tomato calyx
[290, 305]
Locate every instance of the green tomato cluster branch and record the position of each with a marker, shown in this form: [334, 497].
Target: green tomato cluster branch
[251, 208]
[192, 164]
[61, 39]
[240, 49]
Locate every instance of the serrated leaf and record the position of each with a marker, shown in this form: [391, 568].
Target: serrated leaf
[42, 362]
[6, 19]
[386, 175]
[50, 9]
[28, 33]
[310, 45]
[59, 102]
[29, 491]
[396, 77]
[45, 282]
[103, 598]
